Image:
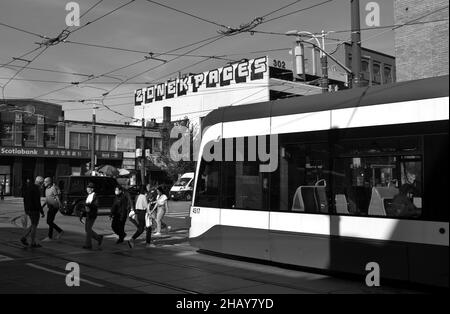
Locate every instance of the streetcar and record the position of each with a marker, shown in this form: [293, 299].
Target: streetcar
[333, 181]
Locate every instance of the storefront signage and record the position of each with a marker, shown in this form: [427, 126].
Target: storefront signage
[237, 73]
[57, 153]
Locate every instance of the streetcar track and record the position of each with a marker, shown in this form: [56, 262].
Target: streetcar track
[44, 254]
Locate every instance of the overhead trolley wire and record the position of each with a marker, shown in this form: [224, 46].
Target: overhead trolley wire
[22, 30]
[119, 68]
[186, 13]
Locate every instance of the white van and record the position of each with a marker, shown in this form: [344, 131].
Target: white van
[183, 188]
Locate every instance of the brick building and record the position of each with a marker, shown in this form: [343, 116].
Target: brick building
[31, 142]
[421, 49]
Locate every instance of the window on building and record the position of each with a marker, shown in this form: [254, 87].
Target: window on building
[74, 140]
[376, 72]
[6, 131]
[84, 140]
[112, 143]
[388, 74]
[365, 66]
[103, 142]
[50, 135]
[29, 132]
[157, 145]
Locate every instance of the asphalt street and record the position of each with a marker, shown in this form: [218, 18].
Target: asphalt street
[171, 267]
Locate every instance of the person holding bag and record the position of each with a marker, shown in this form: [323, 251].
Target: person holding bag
[53, 204]
[141, 212]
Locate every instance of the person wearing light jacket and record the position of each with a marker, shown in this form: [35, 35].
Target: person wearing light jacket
[141, 207]
[161, 207]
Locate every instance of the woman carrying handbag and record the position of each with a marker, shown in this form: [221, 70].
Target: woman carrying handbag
[141, 214]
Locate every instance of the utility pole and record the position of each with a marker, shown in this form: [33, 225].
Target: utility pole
[93, 139]
[143, 153]
[324, 62]
[356, 43]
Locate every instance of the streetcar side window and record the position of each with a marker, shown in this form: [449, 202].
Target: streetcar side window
[207, 192]
[244, 186]
[301, 182]
[378, 177]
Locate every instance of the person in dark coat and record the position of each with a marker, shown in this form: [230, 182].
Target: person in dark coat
[33, 208]
[91, 210]
[119, 213]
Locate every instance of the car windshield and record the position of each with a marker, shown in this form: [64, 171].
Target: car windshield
[182, 182]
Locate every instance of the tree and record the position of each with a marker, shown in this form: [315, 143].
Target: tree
[172, 167]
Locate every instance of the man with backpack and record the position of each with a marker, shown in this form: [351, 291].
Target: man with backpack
[52, 200]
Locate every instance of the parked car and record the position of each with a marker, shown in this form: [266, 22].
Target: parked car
[183, 188]
[73, 192]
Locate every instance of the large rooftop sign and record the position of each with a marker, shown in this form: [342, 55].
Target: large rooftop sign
[238, 73]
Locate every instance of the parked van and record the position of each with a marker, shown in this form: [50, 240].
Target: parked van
[183, 188]
[73, 192]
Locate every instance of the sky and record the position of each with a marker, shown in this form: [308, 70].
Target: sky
[148, 27]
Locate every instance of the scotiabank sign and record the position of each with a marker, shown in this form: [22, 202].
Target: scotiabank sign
[237, 73]
[57, 153]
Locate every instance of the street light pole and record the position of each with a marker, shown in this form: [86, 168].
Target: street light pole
[143, 152]
[93, 139]
[323, 55]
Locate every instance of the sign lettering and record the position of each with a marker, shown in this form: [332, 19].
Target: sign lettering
[241, 72]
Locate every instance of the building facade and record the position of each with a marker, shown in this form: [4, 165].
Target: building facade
[377, 68]
[32, 142]
[421, 49]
